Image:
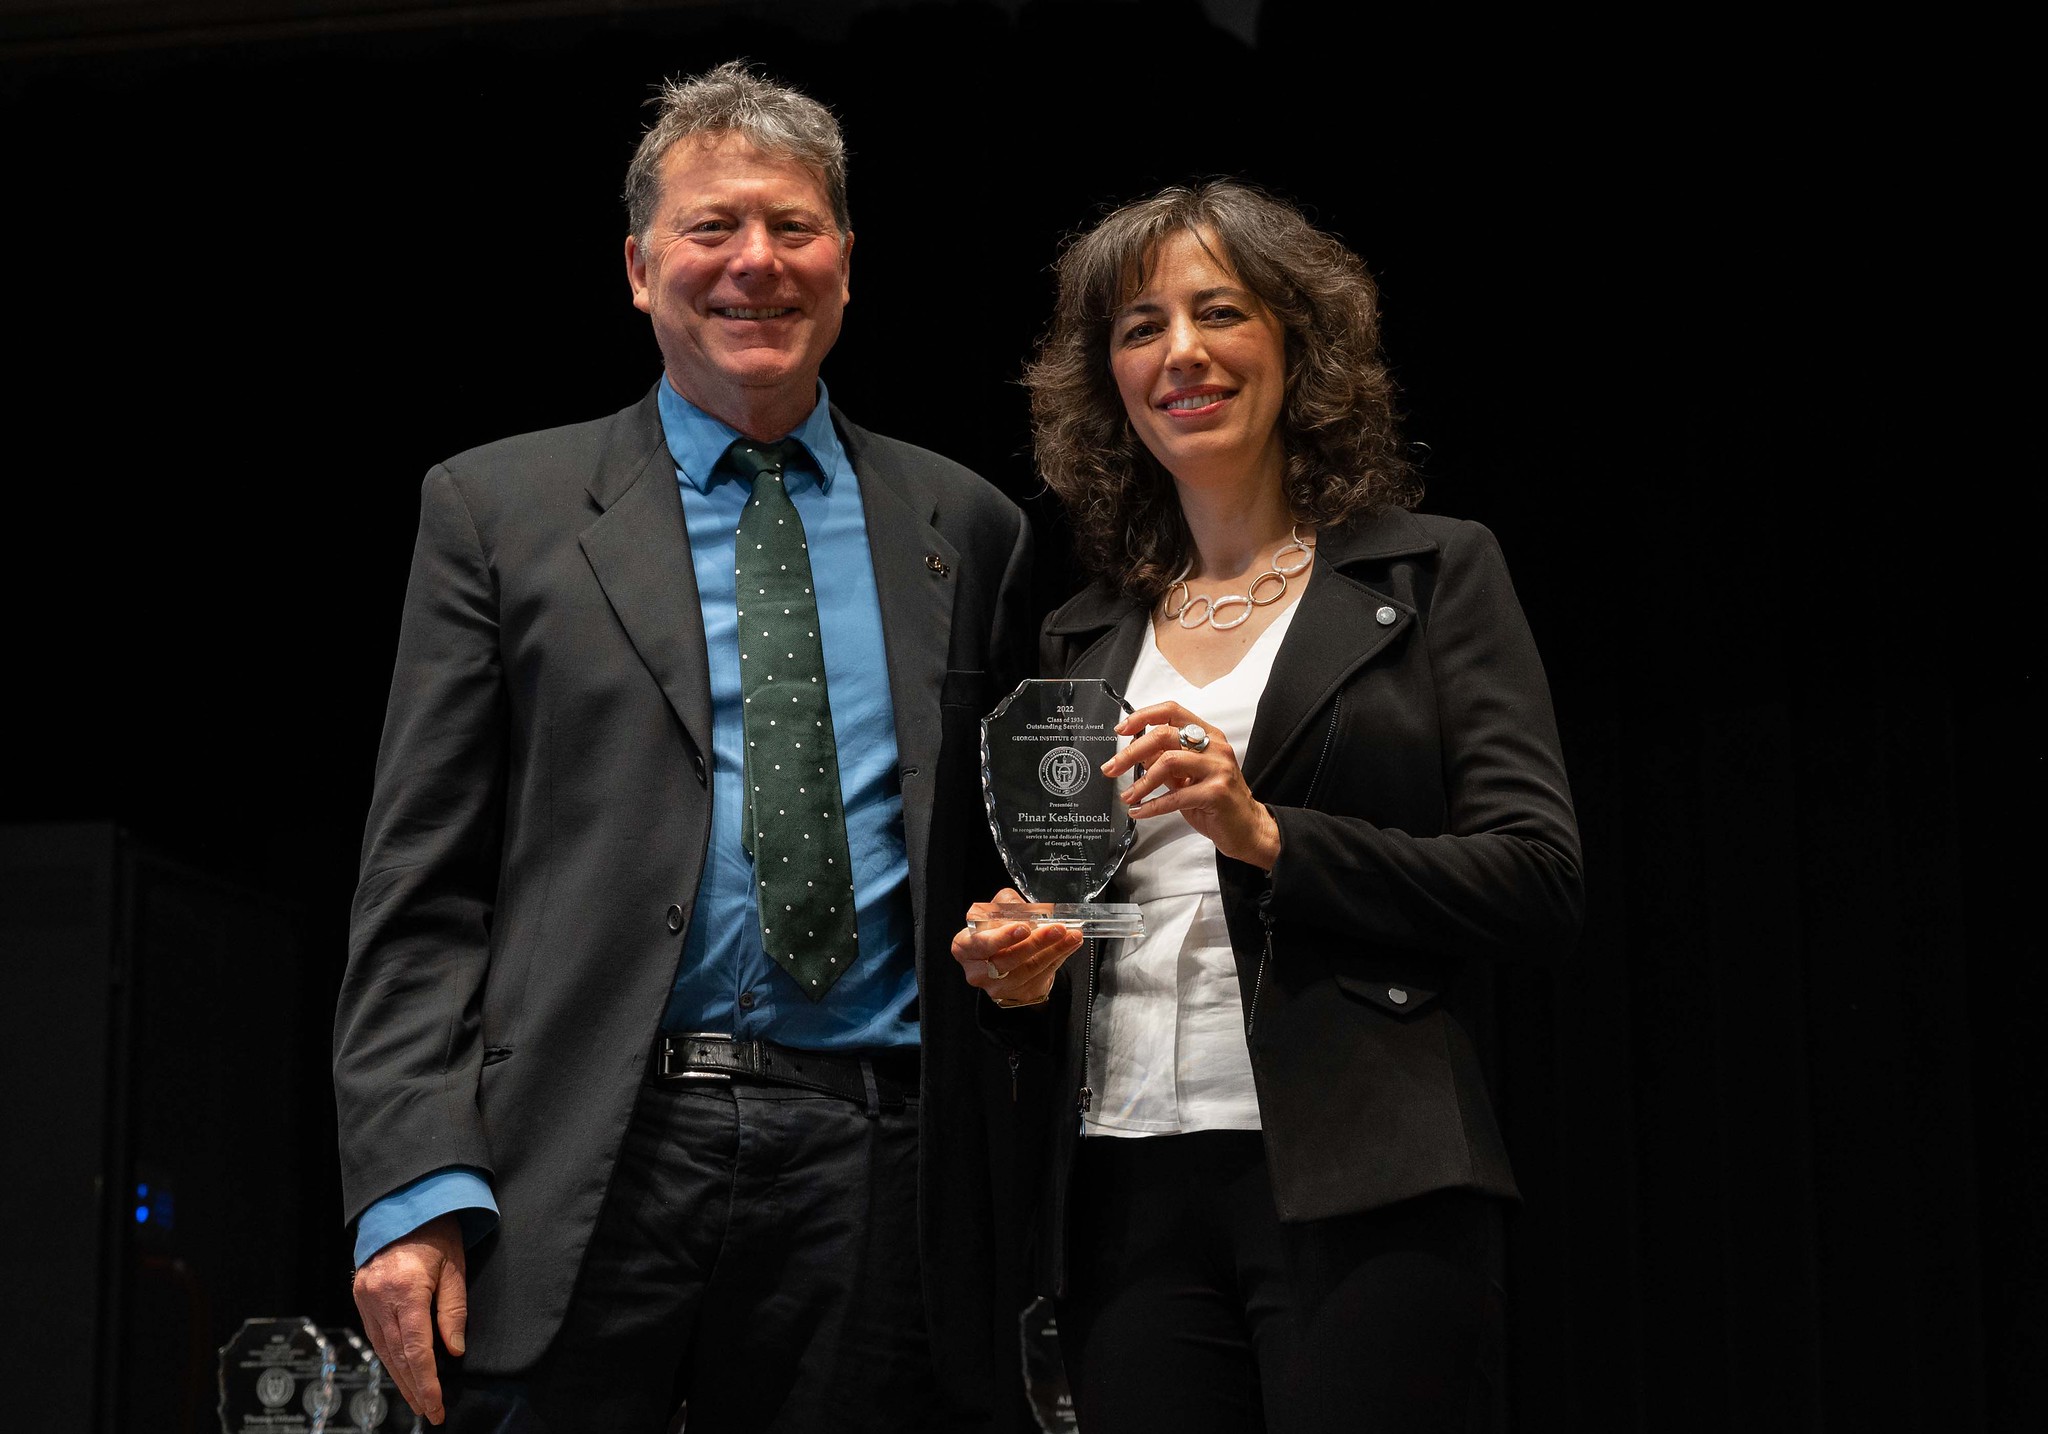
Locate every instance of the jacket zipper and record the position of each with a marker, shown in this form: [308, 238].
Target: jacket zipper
[1251, 1014]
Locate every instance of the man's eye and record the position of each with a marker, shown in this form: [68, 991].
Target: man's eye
[710, 226]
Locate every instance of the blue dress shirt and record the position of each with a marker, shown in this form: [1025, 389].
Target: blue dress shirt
[726, 982]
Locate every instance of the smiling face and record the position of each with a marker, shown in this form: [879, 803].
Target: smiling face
[1202, 366]
[745, 276]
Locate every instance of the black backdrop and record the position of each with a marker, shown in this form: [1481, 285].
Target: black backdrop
[1658, 304]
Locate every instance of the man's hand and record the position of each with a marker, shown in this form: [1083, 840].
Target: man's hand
[407, 1288]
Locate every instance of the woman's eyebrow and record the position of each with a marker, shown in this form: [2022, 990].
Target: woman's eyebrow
[1149, 306]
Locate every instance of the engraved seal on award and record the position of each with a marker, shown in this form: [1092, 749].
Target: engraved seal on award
[1064, 772]
[1058, 822]
[276, 1375]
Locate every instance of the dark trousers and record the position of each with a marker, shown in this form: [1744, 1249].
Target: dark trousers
[1191, 1307]
[756, 1259]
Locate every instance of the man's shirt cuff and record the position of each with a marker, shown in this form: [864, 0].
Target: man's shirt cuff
[459, 1188]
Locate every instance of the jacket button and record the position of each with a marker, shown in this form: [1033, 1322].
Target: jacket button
[699, 763]
[1398, 996]
[1385, 617]
[675, 918]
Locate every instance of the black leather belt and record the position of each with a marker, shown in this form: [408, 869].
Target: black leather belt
[885, 1077]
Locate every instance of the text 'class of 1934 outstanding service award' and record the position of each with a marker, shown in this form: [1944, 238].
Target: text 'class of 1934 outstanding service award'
[1058, 822]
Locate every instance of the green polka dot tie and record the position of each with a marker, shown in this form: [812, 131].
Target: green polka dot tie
[796, 829]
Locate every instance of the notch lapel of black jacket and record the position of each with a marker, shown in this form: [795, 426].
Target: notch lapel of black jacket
[1111, 628]
[1336, 630]
[639, 548]
[917, 631]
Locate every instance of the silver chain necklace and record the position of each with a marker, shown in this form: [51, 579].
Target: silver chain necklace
[1210, 607]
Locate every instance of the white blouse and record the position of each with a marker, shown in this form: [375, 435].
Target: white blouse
[1166, 1051]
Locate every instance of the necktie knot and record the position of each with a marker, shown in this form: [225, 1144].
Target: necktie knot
[748, 460]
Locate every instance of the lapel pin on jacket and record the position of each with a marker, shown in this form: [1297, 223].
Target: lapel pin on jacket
[936, 564]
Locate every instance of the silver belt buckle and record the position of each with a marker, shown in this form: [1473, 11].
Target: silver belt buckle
[697, 1075]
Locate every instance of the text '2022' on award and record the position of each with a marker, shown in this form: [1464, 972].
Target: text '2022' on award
[1058, 822]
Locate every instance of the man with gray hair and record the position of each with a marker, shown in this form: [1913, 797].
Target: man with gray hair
[645, 1101]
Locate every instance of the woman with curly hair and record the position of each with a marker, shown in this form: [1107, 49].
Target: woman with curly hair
[1276, 1177]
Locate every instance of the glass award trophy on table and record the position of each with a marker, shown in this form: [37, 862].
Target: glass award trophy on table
[1058, 822]
[276, 1377]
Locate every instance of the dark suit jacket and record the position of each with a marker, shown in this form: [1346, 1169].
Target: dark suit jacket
[1406, 746]
[540, 821]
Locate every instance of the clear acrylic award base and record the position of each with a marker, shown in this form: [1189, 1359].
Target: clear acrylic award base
[1093, 919]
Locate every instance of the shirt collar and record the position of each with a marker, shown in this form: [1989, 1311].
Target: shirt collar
[696, 440]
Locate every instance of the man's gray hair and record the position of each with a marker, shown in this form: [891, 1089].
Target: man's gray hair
[732, 100]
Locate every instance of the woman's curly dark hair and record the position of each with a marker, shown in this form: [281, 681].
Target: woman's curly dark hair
[1338, 425]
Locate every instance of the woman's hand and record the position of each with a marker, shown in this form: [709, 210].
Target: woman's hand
[1014, 963]
[1206, 787]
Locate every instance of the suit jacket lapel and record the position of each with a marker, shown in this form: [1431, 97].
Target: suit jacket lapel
[639, 549]
[917, 625]
[1113, 654]
[1336, 631]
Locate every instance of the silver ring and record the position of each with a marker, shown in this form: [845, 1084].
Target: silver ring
[1194, 738]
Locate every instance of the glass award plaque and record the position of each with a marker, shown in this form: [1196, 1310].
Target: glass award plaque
[1045, 1376]
[365, 1402]
[276, 1375]
[1058, 822]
